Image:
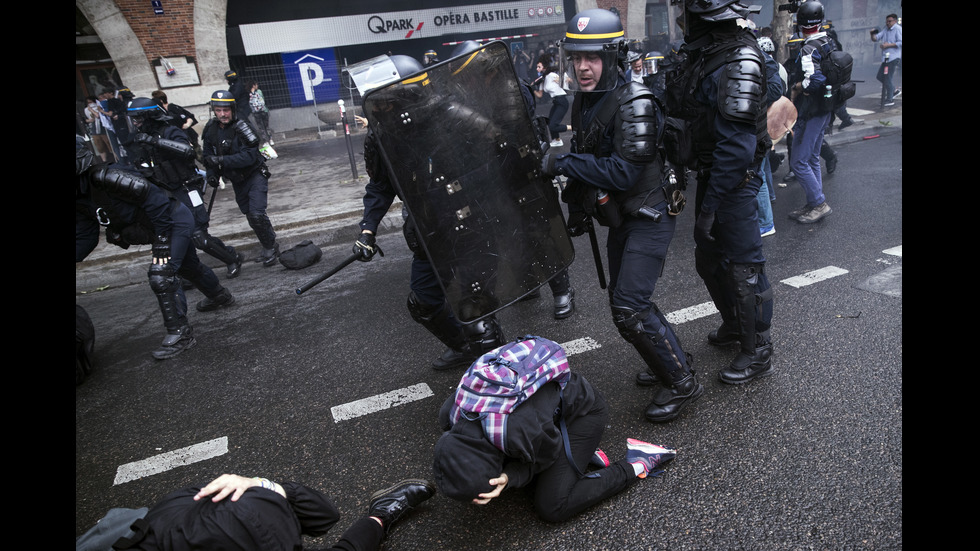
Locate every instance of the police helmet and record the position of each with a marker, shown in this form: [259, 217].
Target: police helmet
[231, 75]
[125, 94]
[430, 57]
[465, 48]
[810, 15]
[596, 35]
[143, 110]
[698, 15]
[766, 45]
[223, 98]
[652, 62]
[405, 65]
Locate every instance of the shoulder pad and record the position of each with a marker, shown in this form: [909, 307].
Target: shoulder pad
[638, 130]
[246, 133]
[742, 87]
[126, 185]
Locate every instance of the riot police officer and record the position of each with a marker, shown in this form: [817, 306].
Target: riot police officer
[426, 302]
[163, 154]
[719, 94]
[231, 151]
[616, 174]
[136, 212]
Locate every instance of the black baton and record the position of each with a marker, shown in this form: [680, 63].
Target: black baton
[595, 253]
[211, 202]
[320, 279]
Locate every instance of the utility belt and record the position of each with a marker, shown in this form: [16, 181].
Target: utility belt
[610, 209]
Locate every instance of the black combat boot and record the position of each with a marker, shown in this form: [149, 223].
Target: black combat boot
[223, 298]
[564, 295]
[176, 341]
[392, 503]
[438, 320]
[668, 401]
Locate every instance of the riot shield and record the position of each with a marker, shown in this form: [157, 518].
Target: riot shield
[460, 149]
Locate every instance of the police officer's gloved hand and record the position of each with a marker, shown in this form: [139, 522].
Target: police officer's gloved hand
[365, 247]
[212, 160]
[143, 137]
[161, 249]
[212, 181]
[578, 223]
[703, 225]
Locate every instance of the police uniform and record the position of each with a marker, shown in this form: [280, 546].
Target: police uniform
[426, 301]
[231, 151]
[136, 212]
[616, 175]
[163, 154]
[720, 92]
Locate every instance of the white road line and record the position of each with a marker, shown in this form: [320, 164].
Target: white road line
[172, 459]
[815, 276]
[578, 346]
[894, 251]
[692, 313]
[379, 402]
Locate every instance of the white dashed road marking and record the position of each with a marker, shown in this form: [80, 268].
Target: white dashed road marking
[171, 459]
[815, 276]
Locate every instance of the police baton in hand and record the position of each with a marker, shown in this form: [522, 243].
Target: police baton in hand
[595, 252]
[320, 279]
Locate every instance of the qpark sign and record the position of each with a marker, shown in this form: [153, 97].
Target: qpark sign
[328, 32]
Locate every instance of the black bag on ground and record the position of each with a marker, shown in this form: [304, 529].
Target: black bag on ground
[302, 255]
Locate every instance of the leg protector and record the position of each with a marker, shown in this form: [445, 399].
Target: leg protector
[666, 360]
[210, 244]
[439, 321]
[754, 318]
[262, 226]
[483, 336]
[166, 285]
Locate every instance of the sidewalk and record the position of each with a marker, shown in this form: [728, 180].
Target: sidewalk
[314, 195]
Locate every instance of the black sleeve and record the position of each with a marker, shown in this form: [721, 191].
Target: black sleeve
[315, 511]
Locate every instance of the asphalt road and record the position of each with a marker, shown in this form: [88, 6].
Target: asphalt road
[810, 458]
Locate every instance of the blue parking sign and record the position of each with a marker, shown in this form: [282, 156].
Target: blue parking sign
[312, 75]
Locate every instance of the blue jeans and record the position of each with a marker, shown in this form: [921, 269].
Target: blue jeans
[764, 197]
[805, 159]
[887, 80]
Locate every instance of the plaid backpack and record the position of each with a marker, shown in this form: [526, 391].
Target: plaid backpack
[502, 379]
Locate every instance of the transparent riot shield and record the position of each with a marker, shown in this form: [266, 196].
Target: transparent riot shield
[461, 151]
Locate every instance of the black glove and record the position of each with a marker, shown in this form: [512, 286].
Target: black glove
[364, 247]
[212, 160]
[143, 137]
[116, 238]
[702, 227]
[578, 223]
[161, 248]
[212, 181]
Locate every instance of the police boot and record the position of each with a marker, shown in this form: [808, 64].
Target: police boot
[564, 295]
[439, 321]
[669, 399]
[215, 247]
[269, 256]
[224, 298]
[393, 503]
[755, 357]
[176, 341]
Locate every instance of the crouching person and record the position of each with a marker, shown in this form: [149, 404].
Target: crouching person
[491, 444]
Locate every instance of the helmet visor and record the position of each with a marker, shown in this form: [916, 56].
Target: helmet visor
[592, 70]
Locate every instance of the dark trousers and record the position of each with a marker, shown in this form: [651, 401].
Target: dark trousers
[364, 535]
[252, 195]
[559, 106]
[559, 491]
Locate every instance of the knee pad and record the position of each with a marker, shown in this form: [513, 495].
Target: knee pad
[163, 279]
[484, 335]
[200, 239]
[420, 311]
[629, 322]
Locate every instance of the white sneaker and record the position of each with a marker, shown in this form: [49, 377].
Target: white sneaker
[557, 143]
